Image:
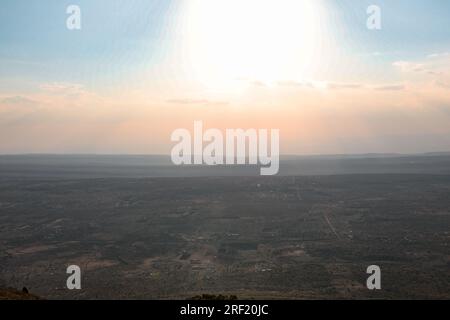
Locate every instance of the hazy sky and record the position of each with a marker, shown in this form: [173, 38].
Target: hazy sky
[139, 69]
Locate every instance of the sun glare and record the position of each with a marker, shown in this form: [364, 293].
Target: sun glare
[263, 40]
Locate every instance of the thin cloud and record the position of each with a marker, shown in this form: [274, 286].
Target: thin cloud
[439, 55]
[442, 84]
[390, 88]
[63, 88]
[196, 102]
[407, 66]
[291, 83]
[70, 92]
[434, 70]
[18, 100]
[258, 83]
[337, 86]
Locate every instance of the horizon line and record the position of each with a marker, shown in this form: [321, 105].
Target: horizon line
[281, 155]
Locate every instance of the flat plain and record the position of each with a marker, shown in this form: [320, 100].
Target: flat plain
[282, 237]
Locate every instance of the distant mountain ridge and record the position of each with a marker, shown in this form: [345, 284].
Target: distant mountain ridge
[159, 166]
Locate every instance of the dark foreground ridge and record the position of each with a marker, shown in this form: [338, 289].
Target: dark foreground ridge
[14, 294]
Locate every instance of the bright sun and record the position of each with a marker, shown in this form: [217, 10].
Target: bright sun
[263, 40]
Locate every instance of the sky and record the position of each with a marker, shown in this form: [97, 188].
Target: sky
[139, 69]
